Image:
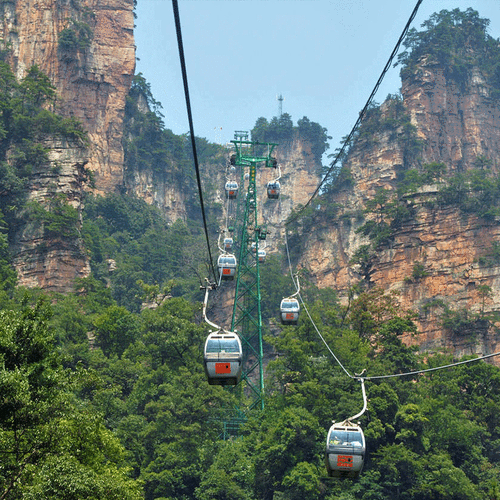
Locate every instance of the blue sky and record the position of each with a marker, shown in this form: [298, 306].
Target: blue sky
[323, 56]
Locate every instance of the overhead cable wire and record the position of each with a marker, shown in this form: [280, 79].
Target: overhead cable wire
[297, 286]
[393, 375]
[442, 367]
[324, 341]
[191, 127]
[361, 115]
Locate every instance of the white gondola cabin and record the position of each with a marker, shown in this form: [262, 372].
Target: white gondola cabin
[231, 189]
[228, 244]
[227, 266]
[289, 310]
[273, 190]
[262, 256]
[222, 358]
[345, 450]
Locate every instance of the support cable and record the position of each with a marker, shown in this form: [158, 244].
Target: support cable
[297, 286]
[191, 128]
[442, 367]
[361, 115]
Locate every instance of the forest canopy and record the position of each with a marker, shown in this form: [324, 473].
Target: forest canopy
[281, 129]
[456, 40]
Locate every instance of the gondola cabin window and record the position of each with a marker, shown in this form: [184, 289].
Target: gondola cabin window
[343, 438]
[222, 345]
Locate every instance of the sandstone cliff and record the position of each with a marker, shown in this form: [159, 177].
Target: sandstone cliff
[92, 74]
[87, 50]
[436, 256]
[53, 262]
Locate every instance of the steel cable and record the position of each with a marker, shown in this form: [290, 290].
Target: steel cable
[191, 128]
[361, 115]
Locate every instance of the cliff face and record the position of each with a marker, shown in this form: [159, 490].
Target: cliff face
[53, 263]
[435, 258]
[92, 75]
[456, 124]
[299, 178]
[87, 50]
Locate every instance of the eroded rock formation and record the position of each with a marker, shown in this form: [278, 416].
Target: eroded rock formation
[86, 48]
[54, 261]
[456, 126]
[92, 75]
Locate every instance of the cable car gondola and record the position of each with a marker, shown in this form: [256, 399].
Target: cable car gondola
[273, 190]
[228, 244]
[345, 450]
[227, 266]
[222, 358]
[231, 188]
[261, 256]
[289, 310]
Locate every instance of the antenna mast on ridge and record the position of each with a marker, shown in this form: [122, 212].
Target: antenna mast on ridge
[280, 106]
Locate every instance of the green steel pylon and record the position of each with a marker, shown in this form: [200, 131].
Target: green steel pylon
[247, 318]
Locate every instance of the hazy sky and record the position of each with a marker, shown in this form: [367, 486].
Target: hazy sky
[323, 56]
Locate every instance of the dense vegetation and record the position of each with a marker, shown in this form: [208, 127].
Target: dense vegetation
[131, 245]
[456, 41]
[282, 130]
[132, 411]
[149, 145]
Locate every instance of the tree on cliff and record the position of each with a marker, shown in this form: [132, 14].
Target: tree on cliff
[282, 130]
[456, 41]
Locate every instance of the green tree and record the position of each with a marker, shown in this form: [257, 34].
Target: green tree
[285, 441]
[231, 474]
[52, 447]
[115, 329]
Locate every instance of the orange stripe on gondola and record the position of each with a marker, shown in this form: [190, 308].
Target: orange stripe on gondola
[344, 460]
[222, 368]
[226, 271]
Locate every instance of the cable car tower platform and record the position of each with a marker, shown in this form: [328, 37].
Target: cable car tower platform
[246, 318]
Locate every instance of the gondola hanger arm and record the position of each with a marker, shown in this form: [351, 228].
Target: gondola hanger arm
[365, 401]
[218, 240]
[279, 174]
[208, 287]
[297, 286]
